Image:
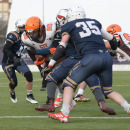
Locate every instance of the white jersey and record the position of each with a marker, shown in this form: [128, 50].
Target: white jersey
[124, 48]
[43, 42]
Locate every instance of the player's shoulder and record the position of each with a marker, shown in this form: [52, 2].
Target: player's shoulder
[97, 23]
[13, 35]
[57, 34]
[25, 39]
[50, 28]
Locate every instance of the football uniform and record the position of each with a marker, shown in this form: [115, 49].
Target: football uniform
[13, 40]
[87, 39]
[61, 71]
[124, 48]
[43, 42]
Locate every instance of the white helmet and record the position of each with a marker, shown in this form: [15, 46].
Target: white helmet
[76, 12]
[61, 17]
[20, 23]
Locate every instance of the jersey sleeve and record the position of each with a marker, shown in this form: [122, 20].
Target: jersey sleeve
[25, 40]
[50, 28]
[98, 24]
[67, 28]
[57, 38]
[11, 39]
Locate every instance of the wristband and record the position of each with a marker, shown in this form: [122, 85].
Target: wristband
[14, 57]
[50, 66]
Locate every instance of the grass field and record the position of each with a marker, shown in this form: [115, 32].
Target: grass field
[85, 116]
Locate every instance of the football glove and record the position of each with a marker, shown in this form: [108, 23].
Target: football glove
[45, 71]
[37, 62]
[52, 50]
[17, 61]
[32, 50]
[113, 53]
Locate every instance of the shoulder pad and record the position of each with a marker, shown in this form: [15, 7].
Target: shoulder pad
[57, 34]
[24, 38]
[13, 37]
[50, 28]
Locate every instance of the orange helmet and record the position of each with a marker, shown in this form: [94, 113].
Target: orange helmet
[113, 28]
[34, 24]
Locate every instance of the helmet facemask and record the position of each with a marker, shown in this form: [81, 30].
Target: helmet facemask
[61, 17]
[34, 27]
[20, 25]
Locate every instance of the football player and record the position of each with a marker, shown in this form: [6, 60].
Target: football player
[123, 40]
[38, 36]
[87, 36]
[12, 61]
[61, 71]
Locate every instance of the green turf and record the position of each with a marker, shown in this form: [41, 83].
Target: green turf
[23, 116]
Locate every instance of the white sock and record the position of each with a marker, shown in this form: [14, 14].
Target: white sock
[80, 91]
[29, 92]
[126, 106]
[65, 109]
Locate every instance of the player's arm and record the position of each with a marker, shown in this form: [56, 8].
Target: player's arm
[7, 48]
[59, 50]
[110, 38]
[112, 41]
[46, 51]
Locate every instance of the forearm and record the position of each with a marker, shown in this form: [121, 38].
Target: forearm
[32, 56]
[113, 43]
[6, 50]
[44, 51]
[58, 53]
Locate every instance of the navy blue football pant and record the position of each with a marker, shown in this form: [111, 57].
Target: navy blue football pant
[99, 64]
[61, 71]
[9, 70]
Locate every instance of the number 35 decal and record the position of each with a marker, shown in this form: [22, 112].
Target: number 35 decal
[88, 31]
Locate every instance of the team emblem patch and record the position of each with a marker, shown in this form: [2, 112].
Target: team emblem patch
[10, 36]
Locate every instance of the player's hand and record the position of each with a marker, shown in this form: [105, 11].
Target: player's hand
[52, 50]
[37, 62]
[32, 50]
[17, 61]
[113, 53]
[45, 71]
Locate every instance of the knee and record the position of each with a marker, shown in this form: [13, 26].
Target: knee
[107, 91]
[29, 77]
[94, 88]
[70, 83]
[12, 86]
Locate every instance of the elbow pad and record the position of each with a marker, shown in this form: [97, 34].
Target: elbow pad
[58, 53]
[113, 43]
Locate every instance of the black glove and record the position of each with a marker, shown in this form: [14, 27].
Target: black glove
[17, 61]
[113, 53]
[45, 71]
[32, 50]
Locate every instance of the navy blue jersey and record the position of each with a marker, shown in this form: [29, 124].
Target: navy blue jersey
[13, 39]
[85, 35]
[70, 50]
